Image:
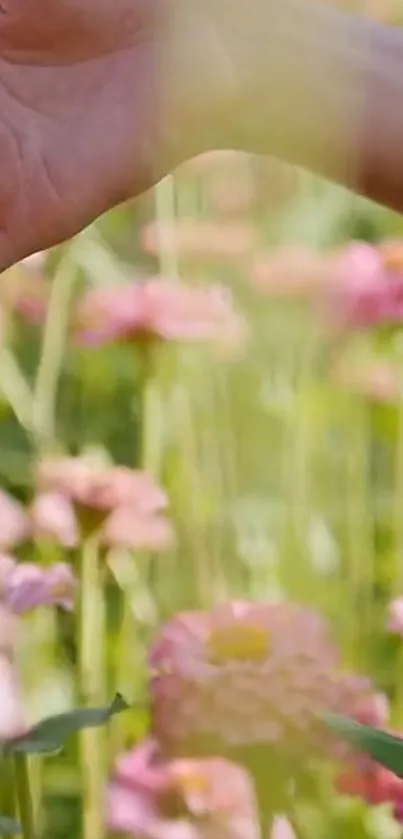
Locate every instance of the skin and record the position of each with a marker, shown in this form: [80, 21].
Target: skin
[100, 98]
[77, 133]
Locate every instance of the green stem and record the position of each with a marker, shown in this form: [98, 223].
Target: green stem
[15, 388]
[44, 628]
[148, 457]
[149, 449]
[92, 689]
[398, 534]
[7, 788]
[359, 535]
[24, 797]
[53, 350]
[152, 423]
[299, 455]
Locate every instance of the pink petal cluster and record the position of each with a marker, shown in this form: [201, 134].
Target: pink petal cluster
[94, 485]
[181, 799]
[282, 829]
[363, 778]
[370, 782]
[247, 675]
[371, 709]
[14, 522]
[53, 518]
[159, 309]
[125, 504]
[128, 527]
[366, 289]
[23, 586]
[202, 240]
[289, 272]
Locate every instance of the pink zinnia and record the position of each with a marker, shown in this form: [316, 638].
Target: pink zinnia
[371, 709]
[96, 490]
[376, 380]
[246, 676]
[202, 240]
[391, 252]
[23, 586]
[53, 518]
[282, 828]
[365, 291]
[289, 272]
[129, 527]
[180, 799]
[370, 782]
[14, 522]
[160, 309]
[12, 723]
[362, 777]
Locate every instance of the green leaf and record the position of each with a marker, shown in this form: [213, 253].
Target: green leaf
[8, 826]
[385, 748]
[50, 734]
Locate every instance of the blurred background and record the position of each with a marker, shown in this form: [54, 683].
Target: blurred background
[270, 410]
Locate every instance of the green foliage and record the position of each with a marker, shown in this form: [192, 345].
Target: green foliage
[49, 734]
[384, 748]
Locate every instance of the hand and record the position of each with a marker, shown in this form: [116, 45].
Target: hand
[98, 99]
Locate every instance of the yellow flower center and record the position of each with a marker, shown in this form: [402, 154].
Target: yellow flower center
[191, 781]
[238, 642]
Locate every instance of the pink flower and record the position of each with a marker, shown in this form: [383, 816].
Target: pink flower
[246, 676]
[204, 241]
[395, 617]
[61, 585]
[181, 799]
[366, 292]
[363, 778]
[371, 709]
[14, 523]
[281, 828]
[376, 380]
[53, 518]
[12, 722]
[96, 490]
[289, 272]
[391, 253]
[159, 309]
[130, 527]
[23, 586]
[368, 781]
